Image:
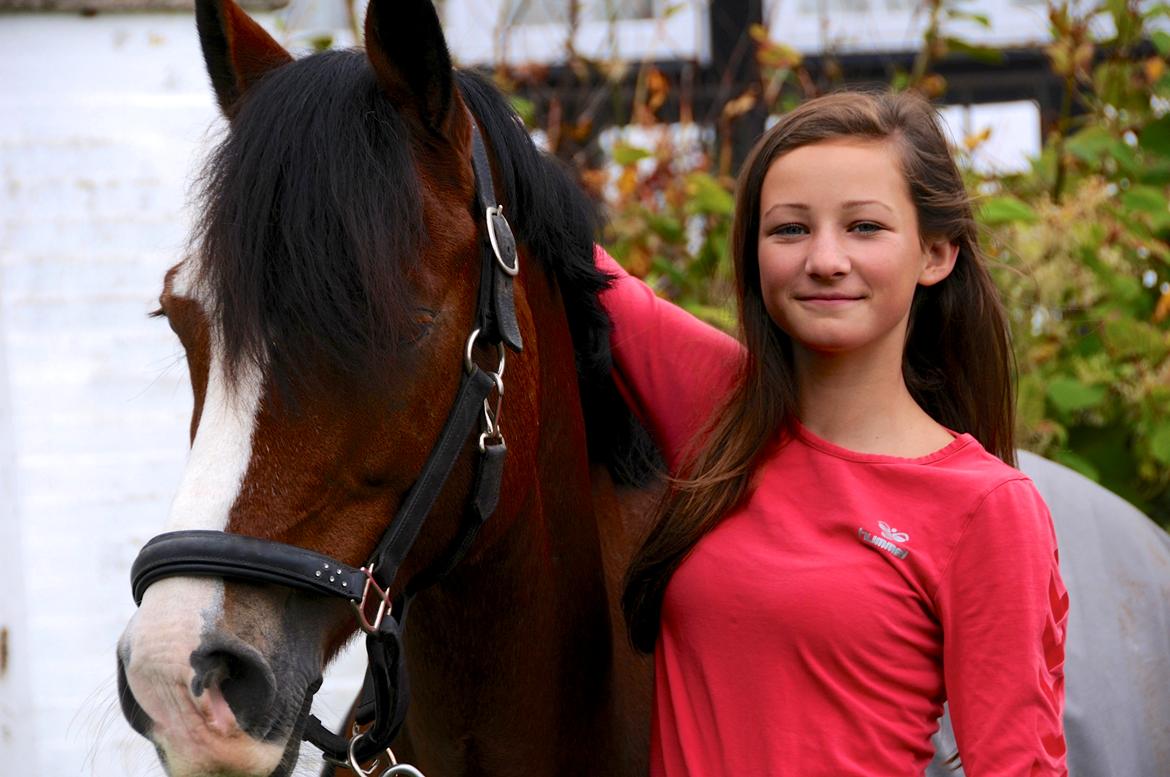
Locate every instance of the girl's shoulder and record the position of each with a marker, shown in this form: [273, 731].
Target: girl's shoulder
[1001, 502]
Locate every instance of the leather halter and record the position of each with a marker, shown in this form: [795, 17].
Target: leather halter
[385, 693]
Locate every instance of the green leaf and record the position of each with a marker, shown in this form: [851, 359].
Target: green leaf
[1155, 138]
[625, 154]
[982, 19]
[1078, 463]
[1129, 339]
[1126, 289]
[1160, 444]
[708, 196]
[1030, 399]
[1069, 395]
[663, 267]
[1155, 172]
[666, 227]
[1161, 40]
[721, 317]
[708, 258]
[1146, 199]
[1006, 210]
[322, 42]
[525, 109]
[1087, 344]
[979, 53]
[1091, 143]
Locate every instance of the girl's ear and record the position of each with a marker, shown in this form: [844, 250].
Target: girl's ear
[940, 258]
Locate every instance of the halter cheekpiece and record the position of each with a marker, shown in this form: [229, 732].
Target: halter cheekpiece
[385, 692]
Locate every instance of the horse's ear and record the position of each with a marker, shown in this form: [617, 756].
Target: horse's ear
[406, 47]
[237, 50]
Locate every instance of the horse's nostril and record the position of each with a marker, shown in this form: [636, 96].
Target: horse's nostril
[135, 715]
[242, 676]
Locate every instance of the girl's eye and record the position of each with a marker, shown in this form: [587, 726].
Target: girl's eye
[866, 227]
[789, 230]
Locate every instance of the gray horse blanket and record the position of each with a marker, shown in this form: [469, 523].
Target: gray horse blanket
[1116, 565]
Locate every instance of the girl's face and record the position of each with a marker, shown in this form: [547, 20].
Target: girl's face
[839, 250]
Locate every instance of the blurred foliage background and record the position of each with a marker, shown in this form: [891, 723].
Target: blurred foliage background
[1079, 241]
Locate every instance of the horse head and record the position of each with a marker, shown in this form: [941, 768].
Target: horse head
[327, 309]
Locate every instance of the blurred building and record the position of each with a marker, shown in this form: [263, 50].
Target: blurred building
[706, 52]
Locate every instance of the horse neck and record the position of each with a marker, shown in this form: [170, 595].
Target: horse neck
[513, 652]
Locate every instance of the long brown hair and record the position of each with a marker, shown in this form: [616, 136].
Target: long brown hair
[957, 362]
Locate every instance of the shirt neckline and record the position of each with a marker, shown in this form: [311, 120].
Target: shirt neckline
[803, 434]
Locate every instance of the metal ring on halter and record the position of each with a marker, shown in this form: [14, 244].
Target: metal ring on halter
[498, 377]
[498, 210]
[489, 421]
[483, 438]
[384, 604]
[354, 766]
[491, 418]
[469, 364]
[397, 768]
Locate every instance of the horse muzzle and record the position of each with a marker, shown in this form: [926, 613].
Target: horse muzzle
[209, 699]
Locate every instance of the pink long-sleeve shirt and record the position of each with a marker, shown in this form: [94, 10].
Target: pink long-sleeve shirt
[818, 629]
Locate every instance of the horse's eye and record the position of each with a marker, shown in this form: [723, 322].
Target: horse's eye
[161, 312]
[420, 325]
[175, 318]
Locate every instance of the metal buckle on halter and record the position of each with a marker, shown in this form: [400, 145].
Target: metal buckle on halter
[491, 418]
[384, 605]
[469, 363]
[395, 767]
[492, 212]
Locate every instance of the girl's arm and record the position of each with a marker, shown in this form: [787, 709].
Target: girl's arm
[1004, 612]
[672, 369]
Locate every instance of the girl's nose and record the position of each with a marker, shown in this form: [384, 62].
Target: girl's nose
[826, 257]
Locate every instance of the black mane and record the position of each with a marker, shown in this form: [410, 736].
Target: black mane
[311, 217]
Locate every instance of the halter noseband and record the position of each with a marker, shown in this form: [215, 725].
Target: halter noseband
[385, 692]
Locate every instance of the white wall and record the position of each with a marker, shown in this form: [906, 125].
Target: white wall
[484, 32]
[867, 26]
[16, 735]
[101, 122]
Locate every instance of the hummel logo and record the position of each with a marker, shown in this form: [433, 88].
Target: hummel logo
[887, 540]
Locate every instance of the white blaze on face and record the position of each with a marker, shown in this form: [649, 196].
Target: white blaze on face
[176, 612]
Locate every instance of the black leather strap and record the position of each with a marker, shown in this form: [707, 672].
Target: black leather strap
[485, 495]
[218, 554]
[384, 699]
[387, 667]
[403, 531]
[497, 320]
[485, 190]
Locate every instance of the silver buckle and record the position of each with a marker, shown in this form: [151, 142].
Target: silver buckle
[498, 210]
